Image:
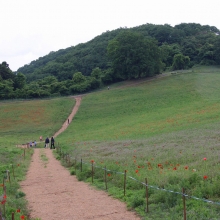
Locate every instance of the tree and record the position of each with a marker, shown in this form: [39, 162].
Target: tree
[5, 71]
[19, 81]
[78, 77]
[133, 56]
[180, 62]
[96, 73]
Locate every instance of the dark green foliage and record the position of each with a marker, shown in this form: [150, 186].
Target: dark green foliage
[180, 62]
[136, 52]
[133, 56]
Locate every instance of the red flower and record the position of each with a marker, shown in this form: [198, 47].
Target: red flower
[134, 161]
[205, 177]
[18, 165]
[92, 161]
[139, 166]
[136, 171]
[4, 196]
[109, 174]
[22, 217]
[204, 158]
[186, 167]
[159, 164]
[18, 210]
[174, 168]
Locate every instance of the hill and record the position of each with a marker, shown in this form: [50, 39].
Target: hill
[193, 40]
[122, 54]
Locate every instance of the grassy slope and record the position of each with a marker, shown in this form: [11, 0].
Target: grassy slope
[25, 121]
[169, 104]
[173, 121]
[21, 122]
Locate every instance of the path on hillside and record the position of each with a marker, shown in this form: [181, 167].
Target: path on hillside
[75, 109]
[53, 194]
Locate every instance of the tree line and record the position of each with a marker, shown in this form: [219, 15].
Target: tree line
[121, 54]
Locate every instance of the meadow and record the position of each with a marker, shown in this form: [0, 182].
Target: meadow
[20, 123]
[165, 129]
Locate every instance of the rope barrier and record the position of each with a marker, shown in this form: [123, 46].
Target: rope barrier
[155, 187]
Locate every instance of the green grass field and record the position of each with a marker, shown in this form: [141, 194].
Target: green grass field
[160, 129]
[22, 122]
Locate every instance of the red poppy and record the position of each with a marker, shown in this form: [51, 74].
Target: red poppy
[204, 158]
[159, 164]
[174, 168]
[4, 196]
[178, 165]
[139, 166]
[18, 165]
[18, 210]
[134, 161]
[134, 156]
[186, 167]
[92, 161]
[136, 171]
[205, 177]
[22, 217]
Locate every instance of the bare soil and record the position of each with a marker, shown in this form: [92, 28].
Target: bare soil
[52, 193]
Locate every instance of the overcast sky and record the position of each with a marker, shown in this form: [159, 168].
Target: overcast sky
[32, 28]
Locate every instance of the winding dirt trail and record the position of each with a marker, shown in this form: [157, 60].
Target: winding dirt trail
[52, 193]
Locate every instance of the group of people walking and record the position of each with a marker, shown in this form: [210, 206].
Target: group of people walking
[50, 142]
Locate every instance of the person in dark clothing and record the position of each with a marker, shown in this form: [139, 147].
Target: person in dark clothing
[52, 143]
[47, 141]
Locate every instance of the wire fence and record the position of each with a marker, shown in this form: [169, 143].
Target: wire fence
[67, 158]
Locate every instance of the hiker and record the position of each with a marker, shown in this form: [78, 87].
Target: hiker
[47, 141]
[35, 144]
[30, 144]
[41, 138]
[68, 121]
[52, 143]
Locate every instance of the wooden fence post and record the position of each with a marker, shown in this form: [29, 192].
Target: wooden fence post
[92, 171]
[81, 165]
[146, 195]
[124, 182]
[12, 216]
[106, 187]
[184, 205]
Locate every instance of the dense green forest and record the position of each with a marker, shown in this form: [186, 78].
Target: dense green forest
[121, 54]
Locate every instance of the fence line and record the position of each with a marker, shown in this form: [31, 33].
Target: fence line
[62, 154]
[158, 188]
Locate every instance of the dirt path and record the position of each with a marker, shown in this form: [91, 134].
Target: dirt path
[66, 124]
[52, 193]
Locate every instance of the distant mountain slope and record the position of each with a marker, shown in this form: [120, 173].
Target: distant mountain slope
[193, 40]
